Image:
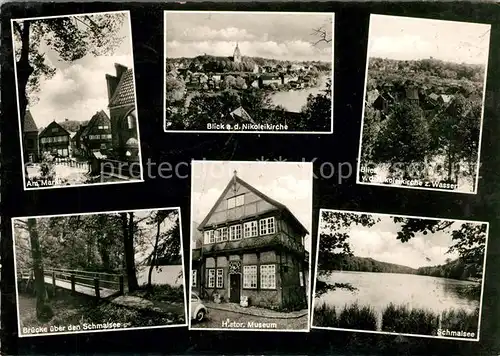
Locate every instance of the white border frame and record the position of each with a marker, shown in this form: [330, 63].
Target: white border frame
[191, 247]
[23, 164]
[332, 77]
[21, 335]
[478, 163]
[478, 332]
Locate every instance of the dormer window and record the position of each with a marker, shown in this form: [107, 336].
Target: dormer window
[238, 200]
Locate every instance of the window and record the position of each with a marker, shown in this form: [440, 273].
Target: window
[209, 237]
[301, 277]
[250, 277]
[220, 278]
[54, 129]
[250, 229]
[235, 232]
[193, 281]
[268, 276]
[267, 226]
[218, 236]
[236, 201]
[103, 127]
[211, 277]
[131, 120]
[224, 233]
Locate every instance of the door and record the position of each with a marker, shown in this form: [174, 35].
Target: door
[235, 284]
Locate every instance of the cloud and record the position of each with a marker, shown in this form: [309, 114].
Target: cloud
[205, 33]
[407, 45]
[77, 91]
[406, 38]
[380, 243]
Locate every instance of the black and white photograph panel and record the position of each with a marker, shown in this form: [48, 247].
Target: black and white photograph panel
[76, 100]
[99, 272]
[250, 245]
[423, 108]
[403, 275]
[266, 72]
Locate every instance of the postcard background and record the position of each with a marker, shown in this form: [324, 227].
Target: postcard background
[351, 23]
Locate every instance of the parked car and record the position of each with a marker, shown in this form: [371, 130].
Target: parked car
[198, 310]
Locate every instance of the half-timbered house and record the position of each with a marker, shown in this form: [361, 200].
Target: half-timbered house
[251, 246]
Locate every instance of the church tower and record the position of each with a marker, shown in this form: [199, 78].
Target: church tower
[237, 55]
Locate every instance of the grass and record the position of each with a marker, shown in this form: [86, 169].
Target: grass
[161, 293]
[395, 318]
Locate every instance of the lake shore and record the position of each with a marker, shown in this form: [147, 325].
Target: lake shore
[398, 319]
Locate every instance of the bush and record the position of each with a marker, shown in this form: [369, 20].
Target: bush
[325, 316]
[460, 320]
[401, 319]
[356, 317]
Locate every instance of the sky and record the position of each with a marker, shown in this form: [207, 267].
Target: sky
[287, 183]
[380, 243]
[406, 38]
[78, 89]
[268, 35]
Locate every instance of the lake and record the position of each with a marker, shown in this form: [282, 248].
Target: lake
[164, 275]
[379, 289]
[294, 100]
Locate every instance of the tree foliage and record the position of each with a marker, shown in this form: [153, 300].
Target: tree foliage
[70, 37]
[404, 137]
[107, 242]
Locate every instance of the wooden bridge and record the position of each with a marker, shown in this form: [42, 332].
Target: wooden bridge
[95, 284]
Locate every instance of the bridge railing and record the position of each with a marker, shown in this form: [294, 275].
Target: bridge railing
[96, 280]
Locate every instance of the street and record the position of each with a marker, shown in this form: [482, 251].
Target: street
[221, 319]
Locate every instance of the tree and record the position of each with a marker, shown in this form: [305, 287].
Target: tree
[316, 115]
[456, 132]
[469, 240]
[71, 37]
[43, 310]
[174, 89]
[167, 246]
[128, 230]
[334, 244]
[228, 82]
[240, 83]
[405, 137]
